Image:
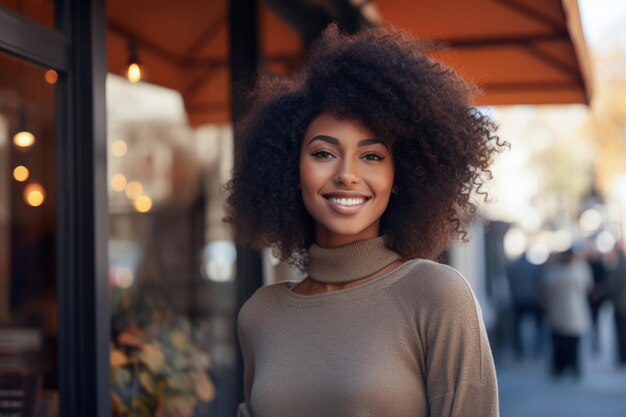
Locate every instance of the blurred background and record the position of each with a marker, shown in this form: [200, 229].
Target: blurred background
[553, 75]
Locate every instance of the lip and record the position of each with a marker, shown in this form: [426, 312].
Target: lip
[345, 209]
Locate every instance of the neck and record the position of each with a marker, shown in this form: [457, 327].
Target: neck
[324, 238]
[356, 260]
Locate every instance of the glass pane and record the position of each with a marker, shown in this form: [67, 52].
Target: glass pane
[28, 282]
[41, 11]
[171, 258]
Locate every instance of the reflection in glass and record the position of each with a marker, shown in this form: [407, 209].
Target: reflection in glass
[28, 282]
[171, 258]
[41, 11]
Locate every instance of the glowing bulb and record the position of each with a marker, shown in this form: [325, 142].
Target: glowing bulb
[51, 76]
[34, 195]
[21, 173]
[24, 139]
[119, 148]
[118, 182]
[134, 73]
[143, 204]
[134, 189]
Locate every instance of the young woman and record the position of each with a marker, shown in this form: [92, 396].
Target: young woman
[359, 171]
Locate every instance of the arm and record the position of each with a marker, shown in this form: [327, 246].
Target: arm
[243, 324]
[459, 369]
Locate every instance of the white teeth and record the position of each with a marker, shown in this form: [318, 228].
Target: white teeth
[347, 201]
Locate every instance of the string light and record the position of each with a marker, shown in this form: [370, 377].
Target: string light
[24, 139]
[143, 204]
[119, 148]
[34, 195]
[118, 182]
[21, 173]
[134, 189]
[51, 76]
[134, 71]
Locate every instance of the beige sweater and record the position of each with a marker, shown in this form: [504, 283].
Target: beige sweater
[409, 343]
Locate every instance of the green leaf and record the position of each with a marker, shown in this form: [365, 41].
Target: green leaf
[180, 405]
[147, 381]
[120, 377]
[139, 408]
[179, 339]
[152, 357]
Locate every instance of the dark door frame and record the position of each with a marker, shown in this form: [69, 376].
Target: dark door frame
[76, 50]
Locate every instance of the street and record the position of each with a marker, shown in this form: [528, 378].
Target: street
[528, 390]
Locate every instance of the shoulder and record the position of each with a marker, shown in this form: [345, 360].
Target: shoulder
[259, 304]
[430, 286]
[432, 278]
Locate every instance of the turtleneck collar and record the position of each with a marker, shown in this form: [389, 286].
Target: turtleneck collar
[347, 263]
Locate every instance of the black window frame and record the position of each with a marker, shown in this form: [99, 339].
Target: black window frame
[77, 51]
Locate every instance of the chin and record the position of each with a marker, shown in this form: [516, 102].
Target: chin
[346, 229]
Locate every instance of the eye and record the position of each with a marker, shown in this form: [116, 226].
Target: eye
[322, 154]
[372, 156]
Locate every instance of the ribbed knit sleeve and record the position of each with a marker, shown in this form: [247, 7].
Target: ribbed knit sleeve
[451, 341]
[245, 330]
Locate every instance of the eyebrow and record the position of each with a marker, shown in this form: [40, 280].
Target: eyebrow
[334, 141]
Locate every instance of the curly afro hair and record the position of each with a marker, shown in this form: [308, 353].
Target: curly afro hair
[442, 145]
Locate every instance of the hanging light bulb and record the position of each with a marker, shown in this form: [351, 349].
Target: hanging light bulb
[119, 148]
[134, 71]
[51, 76]
[118, 182]
[21, 173]
[34, 195]
[133, 190]
[143, 204]
[23, 139]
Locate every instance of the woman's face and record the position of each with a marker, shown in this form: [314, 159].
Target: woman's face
[346, 178]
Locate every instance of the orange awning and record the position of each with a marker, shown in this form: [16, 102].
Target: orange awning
[518, 51]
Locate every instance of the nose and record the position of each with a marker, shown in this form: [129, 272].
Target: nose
[347, 173]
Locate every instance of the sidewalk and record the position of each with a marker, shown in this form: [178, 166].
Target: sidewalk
[527, 389]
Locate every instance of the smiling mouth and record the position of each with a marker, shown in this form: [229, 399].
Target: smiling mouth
[347, 202]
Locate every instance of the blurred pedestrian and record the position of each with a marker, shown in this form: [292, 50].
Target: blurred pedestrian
[617, 292]
[524, 281]
[565, 290]
[597, 297]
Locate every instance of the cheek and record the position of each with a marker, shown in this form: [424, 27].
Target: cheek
[384, 180]
[312, 176]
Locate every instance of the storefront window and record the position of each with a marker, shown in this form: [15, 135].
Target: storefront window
[171, 258]
[41, 11]
[28, 282]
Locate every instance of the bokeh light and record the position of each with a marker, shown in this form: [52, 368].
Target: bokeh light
[134, 74]
[605, 241]
[133, 190]
[143, 204]
[51, 76]
[118, 182]
[123, 277]
[34, 195]
[119, 148]
[24, 139]
[590, 220]
[21, 173]
[514, 242]
[538, 254]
